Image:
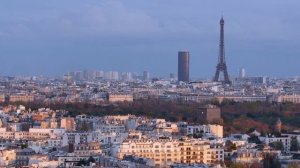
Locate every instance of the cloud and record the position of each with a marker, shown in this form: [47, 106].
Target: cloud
[106, 18]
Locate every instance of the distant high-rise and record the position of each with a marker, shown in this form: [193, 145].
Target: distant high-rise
[183, 66]
[172, 76]
[146, 76]
[111, 75]
[79, 75]
[86, 75]
[126, 76]
[222, 67]
[242, 73]
[99, 74]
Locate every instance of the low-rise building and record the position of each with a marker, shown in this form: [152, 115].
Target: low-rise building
[112, 98]
[288, 98]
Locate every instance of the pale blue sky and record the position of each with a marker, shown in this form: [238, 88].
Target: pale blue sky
[55, 36]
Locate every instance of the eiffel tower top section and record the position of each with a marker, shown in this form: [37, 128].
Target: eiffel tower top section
[222, 45]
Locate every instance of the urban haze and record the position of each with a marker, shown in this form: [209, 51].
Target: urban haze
[135, 35]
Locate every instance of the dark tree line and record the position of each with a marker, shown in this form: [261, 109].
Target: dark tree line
[237, 116]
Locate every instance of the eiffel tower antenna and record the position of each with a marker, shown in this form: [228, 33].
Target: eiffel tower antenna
[222, 67]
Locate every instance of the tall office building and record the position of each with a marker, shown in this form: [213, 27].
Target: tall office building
[183, 66]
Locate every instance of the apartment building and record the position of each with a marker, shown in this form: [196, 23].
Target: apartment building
[166, 152]
[8, 158]
[23, 156]
[87, 149]
[69, 160]
[214, 130]
[248, 155]
[285, 140]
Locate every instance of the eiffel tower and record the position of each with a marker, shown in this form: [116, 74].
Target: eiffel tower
[222, 67]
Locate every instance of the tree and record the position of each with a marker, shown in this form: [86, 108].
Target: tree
[293, 165]
[277, 146]
[254, 139]
[84, 126]
[255, 165]
[81, 163]
[91, 160]
[294, 144]
[270, 161]
[238, 165]
[197, 135]
[230, 146]
[23, 146]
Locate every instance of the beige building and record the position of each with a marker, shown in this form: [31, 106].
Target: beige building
[28, 135]
[21, 98]
[68, 123]
[112, 98]
[87, 149]
[8, 158]
[6, 134]
[45, 124]
[249, 155]
[217, 130]
[241, 98]
[288, 98]
[2, 98]
[166, 152]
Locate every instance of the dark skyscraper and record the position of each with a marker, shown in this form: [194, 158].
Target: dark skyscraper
[222, 67]
[184, 66]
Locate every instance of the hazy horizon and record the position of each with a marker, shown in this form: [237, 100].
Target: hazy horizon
[54, 37]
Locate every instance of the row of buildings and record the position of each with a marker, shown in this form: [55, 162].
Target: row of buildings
[51, 90]
[51, 138]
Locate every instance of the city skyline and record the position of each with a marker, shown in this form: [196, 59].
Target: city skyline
[57, 37]
[150, 84]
